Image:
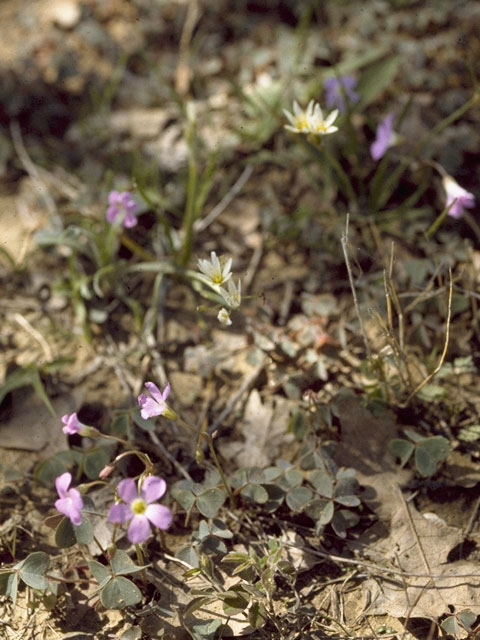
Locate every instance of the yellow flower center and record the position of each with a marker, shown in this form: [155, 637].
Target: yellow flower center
[301, 122]
[138, 506]
[321, 127]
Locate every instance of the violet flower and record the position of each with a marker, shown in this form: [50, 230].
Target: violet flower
[72, 424]
[156, 403]
[385, 138]
[457, 198]
[138, 508]
[70, 502]
[124, 206]
[337, 88]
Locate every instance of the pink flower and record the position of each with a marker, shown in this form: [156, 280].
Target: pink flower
[385, 138]
[457, 198]
[155, 404]
[72, 424]
[122, 204]
[70, 502]
[137, 508]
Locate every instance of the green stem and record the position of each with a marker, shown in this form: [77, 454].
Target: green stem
[208, 438]
[189, 217]
[141, 562]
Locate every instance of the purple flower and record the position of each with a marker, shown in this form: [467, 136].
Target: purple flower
[385, 137]
[122, 204]
[137, 508]
[72, 424]
[155, 404]
[337, 88]
[458, 198]
[70, 502]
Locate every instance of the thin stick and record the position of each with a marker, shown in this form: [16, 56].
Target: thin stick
[201, 225]
[352, 285]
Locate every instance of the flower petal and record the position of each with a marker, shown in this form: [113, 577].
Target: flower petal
[150, 408]
[153, 488]
[159, 515]
[154, 391]
[127, 490]
[62, 483]
[119, 513]
[139, 529]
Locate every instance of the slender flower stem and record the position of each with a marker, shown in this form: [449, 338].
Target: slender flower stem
[208, 438]
[141, 562]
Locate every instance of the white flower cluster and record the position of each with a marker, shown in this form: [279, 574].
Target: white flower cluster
[216, 272]
[310, 120]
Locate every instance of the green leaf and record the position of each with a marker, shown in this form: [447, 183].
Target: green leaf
[119, 593]
[28, 376]
[255, 492]
[33, 569]
[48, 470]
[401, 449]
[451, 626]
[100, 572]
[210, 501]
[257, 615]
[298, 425]
[94, 461]
[146, 425]
[348, 501]
[196, 604]
[9, 585]
[467, 618]
[470, 433]
[205, 630]
[219, 528]
[185, 498]
[64, 534]
[432, 392]
[322, 482]
[275, 497]
[120, 426]
[377, 78]
[298, 498]
[84, 531]
[343, 520]
[321, 510]
[122, 564]
[430, 453]
[234, 601]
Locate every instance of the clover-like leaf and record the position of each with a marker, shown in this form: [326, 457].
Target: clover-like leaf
[210, 501]
[33, 569]
[122, 564]
[401, 449]
[119, 593]
[430, 453]
[255, 492]
[9, 585]
[320, 510]
[298, 498]
[275, 498]
[94, 461]
[100, 572]
[323, 483]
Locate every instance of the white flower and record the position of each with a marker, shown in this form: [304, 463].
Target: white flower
[310, 121]
[320, 126]
[457, 198]
[216, 270]
[299, 119]
[233, 296]
[224, 317]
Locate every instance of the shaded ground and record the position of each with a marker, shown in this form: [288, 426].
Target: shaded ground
[92, 97]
